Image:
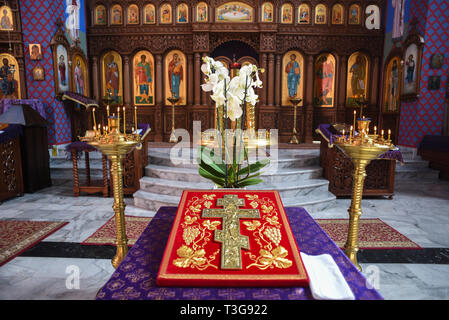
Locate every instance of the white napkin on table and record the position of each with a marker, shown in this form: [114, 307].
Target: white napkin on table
[326, 280]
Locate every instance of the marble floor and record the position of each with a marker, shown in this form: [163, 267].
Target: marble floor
[419, 210]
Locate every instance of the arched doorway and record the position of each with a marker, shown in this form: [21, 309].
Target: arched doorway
[236, 49]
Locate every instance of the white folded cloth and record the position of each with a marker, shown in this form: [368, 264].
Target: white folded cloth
[326, 280]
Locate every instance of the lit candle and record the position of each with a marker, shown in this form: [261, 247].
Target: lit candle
[93, 115]
[109, 121]
[375, 130]
[99, 129]
[350, 134]
[382, 133]
[354, 118]
[95, 130]
[124, 121]
[135, 118]
[389, 133]
[118, 119]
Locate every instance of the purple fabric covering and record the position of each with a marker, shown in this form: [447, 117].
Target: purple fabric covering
[143, 126]
[79, 146]
[37, 105]
[135, 277]
[80, 98]
[389, 155]
[11, 132]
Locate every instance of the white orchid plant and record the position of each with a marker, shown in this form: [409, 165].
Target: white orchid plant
[231, 95]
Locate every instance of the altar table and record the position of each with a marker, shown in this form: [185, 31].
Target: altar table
[135, 277]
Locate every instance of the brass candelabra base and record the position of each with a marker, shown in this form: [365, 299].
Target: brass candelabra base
[115, 147]
[294, 139]
[295, 101]
[361, 156]
[173, 138]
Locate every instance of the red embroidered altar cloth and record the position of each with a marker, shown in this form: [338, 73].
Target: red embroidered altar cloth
[266, 248]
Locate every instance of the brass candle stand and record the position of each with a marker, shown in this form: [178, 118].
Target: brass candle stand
[173, 100]
[116, 145]
[295, 102]
[362, 149]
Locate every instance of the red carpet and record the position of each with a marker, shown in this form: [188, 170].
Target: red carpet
[106, 234]
[373, 234]
[18, 236]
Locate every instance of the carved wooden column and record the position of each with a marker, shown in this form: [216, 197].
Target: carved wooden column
[277, 85]
[127, 88]
[23, 91]
[95, 74]
[341, 90]
[158, 117]
[203, 93]
[190, 82]
[374, 81]
[197, 80]
[271, 75]
[263, 94]
[308, 101]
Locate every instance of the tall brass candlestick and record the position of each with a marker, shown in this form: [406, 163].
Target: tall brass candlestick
[295, 102]
[361, 151]
[173, 100]
[116, 145]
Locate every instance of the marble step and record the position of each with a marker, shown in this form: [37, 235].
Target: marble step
[287, 161]
[308, 189]
[407, 173]
[153, 201]
[269, 176]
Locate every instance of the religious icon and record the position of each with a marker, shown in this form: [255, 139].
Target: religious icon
[324, 80]
[182, 13]
[234, 12]
[116, 14]
[133, 14]
[287, 13]
[9, 77]
[434, 82]
[80, 76]
[112, 76]
[304, 14]
[143, 64]
[357, 78]
[293, 75]
[72, 22]
[6, 21]
[320, 14]
[175, 66]
[166, 13]
[436, 61]
[391, 89]
[410, 69]
[337, 14]
[398, 18]
[201, 12]
[267, 12]
[62, 69]
[149, 14]
[38, 73]
[100, 15]
[35, 51]
[354, 14]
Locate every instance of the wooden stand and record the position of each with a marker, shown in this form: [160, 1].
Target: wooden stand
[11, 182]
[338, 169]
[89, 186]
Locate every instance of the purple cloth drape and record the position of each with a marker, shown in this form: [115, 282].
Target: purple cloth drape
[11, 132]
[37, 105]
[325, 131]
[135, 277]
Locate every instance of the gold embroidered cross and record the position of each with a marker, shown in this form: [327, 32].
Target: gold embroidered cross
[229, 236]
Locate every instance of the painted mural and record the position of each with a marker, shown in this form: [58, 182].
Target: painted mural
[112, 76]
[304, 14]
[80, 76]
[293, 77]
[9, 77]
[201, 12]
[6, 20]
[391, 85]
[149, 14]
[75, 23]
[143, 76]
[357, 78]
[234, 12]
[267, 12]
[324, 80]
[175, 76]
